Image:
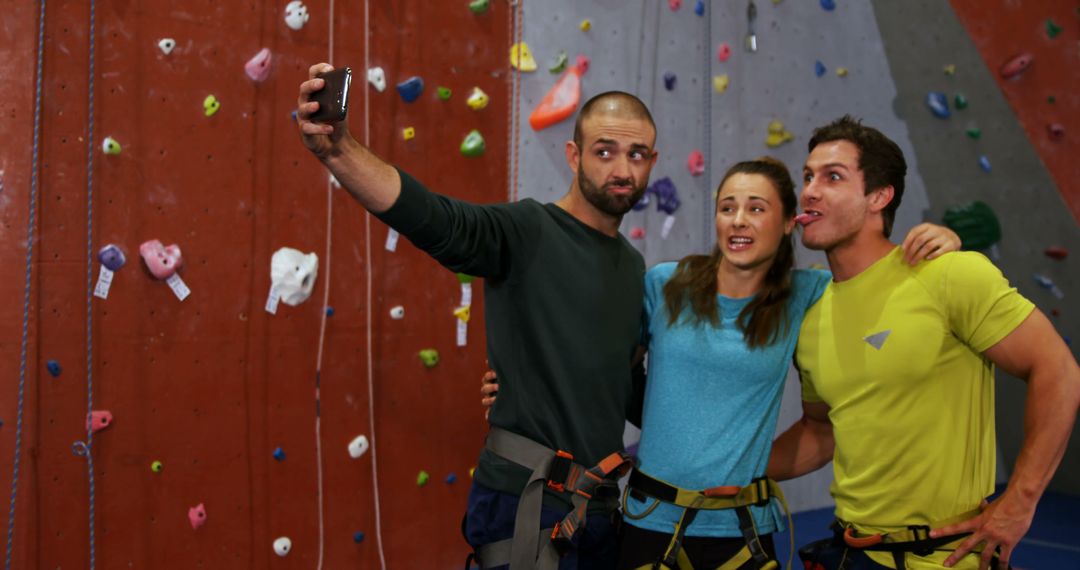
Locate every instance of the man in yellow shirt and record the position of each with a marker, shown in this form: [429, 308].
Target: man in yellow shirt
[897, 365]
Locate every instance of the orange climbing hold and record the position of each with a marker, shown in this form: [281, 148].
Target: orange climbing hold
[563, 98]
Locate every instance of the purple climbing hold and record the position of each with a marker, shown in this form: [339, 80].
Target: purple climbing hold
[111, 257]
[411, 88]
[667, 199]
[828, 5]
[669, 81]
[642, 203]
[938, 103]
[819, 68]
[699, 8]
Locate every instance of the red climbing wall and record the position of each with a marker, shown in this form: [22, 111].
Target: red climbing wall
[212, 385]
[1001, 29]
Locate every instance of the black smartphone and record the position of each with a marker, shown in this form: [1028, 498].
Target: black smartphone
[333, 98]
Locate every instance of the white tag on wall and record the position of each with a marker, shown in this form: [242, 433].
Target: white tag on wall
[104, 283]
[272, 301]
[179, 288]
[391, 240]
[466, 294]
[462, 332]
[669, 222]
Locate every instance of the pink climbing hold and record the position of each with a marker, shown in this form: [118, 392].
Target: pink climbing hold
[160, 260]
[674, 4]
[696, 163]
[197, 516]
[1017, 65]
[99, 420]
[258, 67]
[1056, 131]
[724, 52]
[637, 233]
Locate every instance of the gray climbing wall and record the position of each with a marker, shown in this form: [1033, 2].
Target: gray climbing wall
[632, 44]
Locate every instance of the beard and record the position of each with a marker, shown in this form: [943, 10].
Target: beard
[610, 204]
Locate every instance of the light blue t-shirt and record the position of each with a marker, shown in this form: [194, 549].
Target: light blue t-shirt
[711, 403]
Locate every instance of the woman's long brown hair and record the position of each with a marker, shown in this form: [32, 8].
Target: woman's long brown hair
[764, 320]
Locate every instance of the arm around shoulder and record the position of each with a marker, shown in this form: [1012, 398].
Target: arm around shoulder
[805, 447]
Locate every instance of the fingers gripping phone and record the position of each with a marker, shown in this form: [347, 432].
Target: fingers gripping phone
[333, 98]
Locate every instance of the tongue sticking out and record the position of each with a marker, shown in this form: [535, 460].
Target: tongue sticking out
[804, 218]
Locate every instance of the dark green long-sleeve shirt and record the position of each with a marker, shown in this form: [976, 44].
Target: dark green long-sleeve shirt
[563, 317]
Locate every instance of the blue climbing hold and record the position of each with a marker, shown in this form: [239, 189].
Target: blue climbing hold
[358, 537]
[938, 103]
[819, 68]
[984, 163]
[669, 81]
[329, 311]
[828, 5]
[54, 368]
[293, 115]
[642, 203]
[279, 454]
[411, 88]
[451, 479]
[699, 8]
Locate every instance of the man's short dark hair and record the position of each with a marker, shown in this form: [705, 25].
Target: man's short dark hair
[880, 159]
[634, 109]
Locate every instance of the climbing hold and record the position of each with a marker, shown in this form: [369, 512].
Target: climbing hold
[296, 15]
[110, 146]
[279, 454]
[479, 6]
[1052, 29]
[471, 471]
[1055, 312]
[674, 4]
[974, 132]
[562, 99]
[1056, 130]
[111, 257]
[408, 133]
[160, 260]
[521, 57]
[585, 25]
[960, 101]
[166, 45]
[292, 115]
[558, 65]
[411, 88]
[938, 103]
[397, 313]
[258, 67]
[473, 145]
[422, 478]
[669, 81]
[210, 105]
[637, 233]
[444, 93]
[429, 357]
[1017, 65]
[282, 546]
[464, 278]
[975, 223]
[841, 71]
[667, 198]
[984, 163]
[451, 479]
[358, 537]
[197, 516]
[642, 203]
[462, 313]
[329, 311]
[1048, 284]
[53, 367]
[1051, 99]
[699, 8]
[99, 420]
[723, 52]
[358, 446]
[696, 163]
[819, 68]
[1057, 253]
[157, 466]
[950, 69]
[477, 99]
[777, 135]
[720, 83]
[293, 274]
[377, 78]
[828, 5]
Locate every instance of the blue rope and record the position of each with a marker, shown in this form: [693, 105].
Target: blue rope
[79, 448]
[26, 290]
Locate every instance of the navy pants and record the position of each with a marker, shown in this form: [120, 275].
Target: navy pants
[490, 518]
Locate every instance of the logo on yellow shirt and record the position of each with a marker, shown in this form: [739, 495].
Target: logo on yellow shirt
[877, 340]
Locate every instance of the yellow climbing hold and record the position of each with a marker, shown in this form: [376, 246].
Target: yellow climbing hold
[777, 134]
[841, 71]
[521, 57]
[950, 69]
[408, 133]
[586, 25]
[462, 313]
[477, 99]
[720, 83]
[471, 471]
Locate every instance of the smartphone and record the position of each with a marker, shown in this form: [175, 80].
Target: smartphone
[333, 98]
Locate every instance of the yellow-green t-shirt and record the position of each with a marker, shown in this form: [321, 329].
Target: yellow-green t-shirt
[896, 353]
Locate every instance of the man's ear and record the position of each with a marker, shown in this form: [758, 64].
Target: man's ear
[573, 156]
[881, 198]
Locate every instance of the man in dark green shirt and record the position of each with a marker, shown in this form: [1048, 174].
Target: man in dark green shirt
[563, 291]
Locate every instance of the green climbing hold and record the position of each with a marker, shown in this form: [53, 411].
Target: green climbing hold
[473, 145]
[960, 101]
[422, 478]
[479, 6]
[1052, 29]
[465, 279]
[975, 223]
[974, 132]
[560, 62]
[444, 93]
[1051, 99]
[430, 357]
